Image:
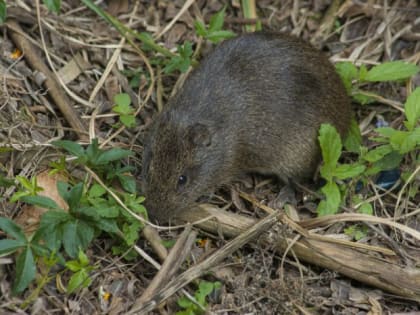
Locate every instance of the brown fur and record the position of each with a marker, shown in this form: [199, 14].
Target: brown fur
[255, 104]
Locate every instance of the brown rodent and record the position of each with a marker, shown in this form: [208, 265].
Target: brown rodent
[255, 104]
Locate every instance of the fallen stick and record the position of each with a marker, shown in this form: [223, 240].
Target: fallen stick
[364, 265]
[203, 267]
[53, 87]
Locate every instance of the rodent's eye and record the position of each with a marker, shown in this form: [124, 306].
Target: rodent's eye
[182, 180]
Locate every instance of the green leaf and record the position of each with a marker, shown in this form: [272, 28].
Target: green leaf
[79, 280]
[93, 151]
[344, 171]
[73, 265]
[353, 140]
[131, 232]
[88, 213]
[388, 162]
[378, 153]
[76, 235]
[218, 36]
[70, 146]
[362, 98]
[25, 270]
[12, 229]
[205, 287]
[128, 120]
[96, 190]
[412, 109]
[51, 219]
[217, 20]
[184, 302]
[112, 155]
[128, 183]
[41, 201]
[122, 99]
[75, 195]
[391, 71]
[108, 225]
[3, 11]
[9, 246]
[386, 131]
[347, 72]
[53, 5]
[84, 260]
[330, 144]
[365, 208]
[200, 28]
[332, 201]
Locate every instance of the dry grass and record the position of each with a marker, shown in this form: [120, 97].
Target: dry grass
[89, 57]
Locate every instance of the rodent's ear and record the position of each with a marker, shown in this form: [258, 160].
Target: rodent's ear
[199, 135]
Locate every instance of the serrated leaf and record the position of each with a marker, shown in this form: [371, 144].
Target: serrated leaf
[8, 246]
[25, 270]
[79, 280]
[200, 28]
[128, 120]
[128, 183]
[412, 109]
[330, 144]
[73, 265]
[218, 36]
[41, 201]
[76, 235]
[112, 155]
[386, 131]
[205, 287]
[93, 151]
[353, 140]
[332, 199]
[377, 153]
[217, 20]
[70, 146]
[84, 260]
[96, 190]
[75, 195]
[344, 171]
[362, 98]
[184, 302]
[122, 99]
[108, 225]
[391, 71]
[347, 72]
[12, 229]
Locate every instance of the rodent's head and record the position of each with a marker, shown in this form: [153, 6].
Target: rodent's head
[175, 166]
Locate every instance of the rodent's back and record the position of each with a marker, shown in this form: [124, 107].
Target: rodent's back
[267, 94]
[261, 99]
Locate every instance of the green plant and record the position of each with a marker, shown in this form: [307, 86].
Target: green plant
[91, 211]
[213, 32]
[26, 249]
[53, 5]
[182, 61]
[81, 269]
[204, 290]
[106, 163]
[28, 188]
[125, 111]
[354, 78]
[3, 11]
[331, 170]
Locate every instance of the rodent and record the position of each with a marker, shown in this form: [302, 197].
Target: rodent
[254, 104]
